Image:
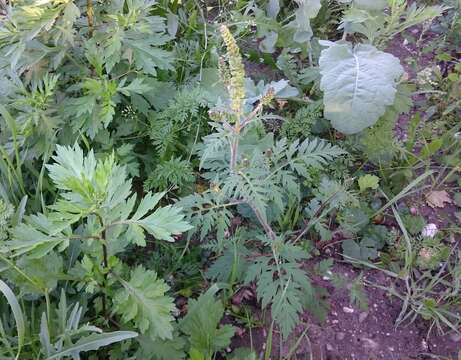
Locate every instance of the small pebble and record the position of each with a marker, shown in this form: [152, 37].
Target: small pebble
[369, 344]
[424, 345]
[362, 317]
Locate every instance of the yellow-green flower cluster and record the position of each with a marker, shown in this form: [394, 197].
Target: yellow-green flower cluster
[224, 72]
[268, 97]
[237, 73]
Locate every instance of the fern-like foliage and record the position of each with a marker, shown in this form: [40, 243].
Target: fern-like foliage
[173, 130]
[300, 126]
[175, 173]
[265, 174]
[282, 283]
[207, 212]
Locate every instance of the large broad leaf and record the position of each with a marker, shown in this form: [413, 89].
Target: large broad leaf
[358, 84]
[371, 4]
[307, 9]
[367, 4]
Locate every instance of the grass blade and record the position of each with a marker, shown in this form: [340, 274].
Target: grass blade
[93, 342]
[17, 313]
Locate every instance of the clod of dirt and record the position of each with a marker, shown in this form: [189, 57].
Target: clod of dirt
[438, 199]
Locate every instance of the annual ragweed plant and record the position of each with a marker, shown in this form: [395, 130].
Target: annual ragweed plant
[255, 174]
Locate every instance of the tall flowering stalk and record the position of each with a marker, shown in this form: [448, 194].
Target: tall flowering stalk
[236, 82]
[233, 76]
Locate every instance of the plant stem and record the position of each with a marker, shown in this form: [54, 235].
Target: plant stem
[105, 264]
[90, 15]
[267, 228]
[48, 310]
[237, 128]
[233, 150]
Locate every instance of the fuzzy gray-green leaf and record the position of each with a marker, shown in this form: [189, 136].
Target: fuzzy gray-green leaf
[358, 84]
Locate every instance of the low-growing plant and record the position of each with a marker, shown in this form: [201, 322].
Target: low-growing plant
[94, 219]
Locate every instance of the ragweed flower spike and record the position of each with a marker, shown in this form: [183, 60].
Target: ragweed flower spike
[237, 73]
[224, 72]
[268, 97]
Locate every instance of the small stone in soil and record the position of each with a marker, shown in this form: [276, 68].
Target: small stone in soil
[348, 310]
[362, 317]
[369, 344]
[424, 345]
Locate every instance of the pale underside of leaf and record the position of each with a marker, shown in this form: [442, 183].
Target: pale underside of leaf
[358, 84]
